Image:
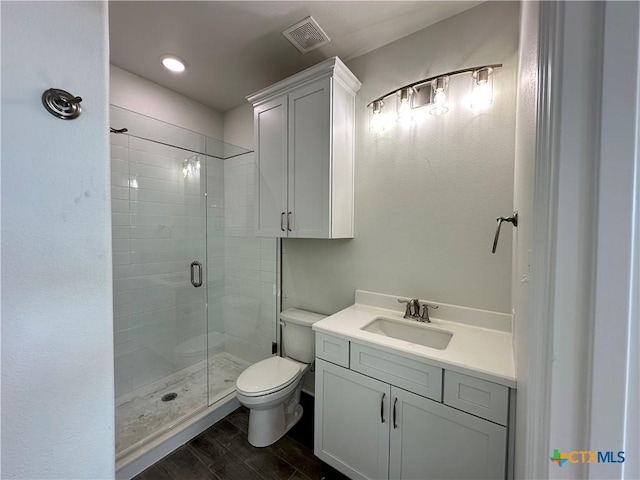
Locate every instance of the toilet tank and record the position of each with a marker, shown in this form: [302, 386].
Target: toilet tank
[297, 336]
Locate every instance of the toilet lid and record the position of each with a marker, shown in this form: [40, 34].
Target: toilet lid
[267, 376]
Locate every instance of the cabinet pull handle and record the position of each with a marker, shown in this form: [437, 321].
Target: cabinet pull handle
[282, 221]
[289, 221]
[193, 276]
[395, 425]
[382, 408]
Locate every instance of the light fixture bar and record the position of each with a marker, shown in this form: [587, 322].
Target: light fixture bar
[435, 77]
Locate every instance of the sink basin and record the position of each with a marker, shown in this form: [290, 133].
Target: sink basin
[409, 332]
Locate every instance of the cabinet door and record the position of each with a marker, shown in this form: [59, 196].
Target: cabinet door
[309, 160]
[351, 422]
[430, 440]
[270, 120]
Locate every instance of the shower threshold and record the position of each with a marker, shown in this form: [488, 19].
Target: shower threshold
[133, 461]
[142, 415]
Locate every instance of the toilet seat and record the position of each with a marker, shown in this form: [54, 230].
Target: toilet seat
[268, 376]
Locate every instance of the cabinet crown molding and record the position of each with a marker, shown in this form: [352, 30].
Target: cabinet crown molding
[331, 67]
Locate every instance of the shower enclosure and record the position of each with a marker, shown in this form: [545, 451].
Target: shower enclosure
[194, 290]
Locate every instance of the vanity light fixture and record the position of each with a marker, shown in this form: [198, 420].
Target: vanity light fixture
[403, 105]
[432, 92]
[173, 63]
[439, 86]
[376, 119]
[482, 88]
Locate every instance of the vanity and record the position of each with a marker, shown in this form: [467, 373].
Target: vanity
[400, 399]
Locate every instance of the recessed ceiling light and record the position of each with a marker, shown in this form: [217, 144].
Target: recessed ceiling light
[173, 63]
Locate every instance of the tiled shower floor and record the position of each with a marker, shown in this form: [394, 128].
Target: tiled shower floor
[143, 413]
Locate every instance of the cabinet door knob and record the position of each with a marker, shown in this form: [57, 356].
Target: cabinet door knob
[382, 408]
[289, 221]
[282, 221]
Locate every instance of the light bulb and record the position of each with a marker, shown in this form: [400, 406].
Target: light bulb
[376, 119]
[403, 105]
[482, 88]
[439, 86]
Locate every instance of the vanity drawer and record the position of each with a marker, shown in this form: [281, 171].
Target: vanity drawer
[477, 397]
[411, 375]
[332, 349]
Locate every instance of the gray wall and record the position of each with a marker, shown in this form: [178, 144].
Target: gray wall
[142, 96]
[238, 126]
[426, 197]
[57, 334]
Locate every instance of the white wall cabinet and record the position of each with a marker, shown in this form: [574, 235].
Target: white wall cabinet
[369, 429]
[304, 131]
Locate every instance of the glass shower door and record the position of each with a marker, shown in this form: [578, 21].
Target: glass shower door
[241, 273]
[159, 229]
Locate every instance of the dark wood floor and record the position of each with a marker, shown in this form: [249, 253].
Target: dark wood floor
[223, 452]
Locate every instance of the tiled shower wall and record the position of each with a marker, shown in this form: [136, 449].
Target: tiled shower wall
[250, 268]
[215, 252]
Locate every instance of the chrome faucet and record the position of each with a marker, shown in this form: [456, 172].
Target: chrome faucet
[413, 309]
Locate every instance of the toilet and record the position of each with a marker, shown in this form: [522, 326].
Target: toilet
[270, 389]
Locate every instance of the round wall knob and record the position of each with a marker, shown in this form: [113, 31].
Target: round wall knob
[61, 104]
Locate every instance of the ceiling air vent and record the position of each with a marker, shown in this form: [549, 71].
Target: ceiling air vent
[306, 35]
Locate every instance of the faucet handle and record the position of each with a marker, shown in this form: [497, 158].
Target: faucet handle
[429, 305]
[425, 311]
[413, 305]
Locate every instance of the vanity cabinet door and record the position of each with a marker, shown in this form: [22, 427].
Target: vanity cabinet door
[270, 123]
[430, 440]
[352, 422]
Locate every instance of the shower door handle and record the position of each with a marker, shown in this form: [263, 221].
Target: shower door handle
[193, 274]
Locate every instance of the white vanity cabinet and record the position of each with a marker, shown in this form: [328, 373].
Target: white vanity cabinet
[352, 422]
[372, 429]
[304, 135]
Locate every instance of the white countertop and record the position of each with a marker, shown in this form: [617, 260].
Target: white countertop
[480, 352]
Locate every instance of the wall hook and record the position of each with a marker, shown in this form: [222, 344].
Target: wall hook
[512, 219]
[61, 104]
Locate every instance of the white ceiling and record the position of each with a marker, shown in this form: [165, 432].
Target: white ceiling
[234, 48]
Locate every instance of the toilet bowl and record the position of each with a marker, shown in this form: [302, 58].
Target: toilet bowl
[271, 388]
